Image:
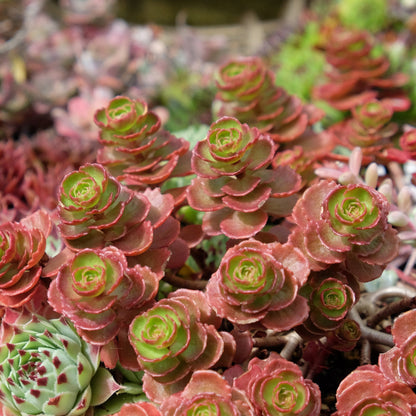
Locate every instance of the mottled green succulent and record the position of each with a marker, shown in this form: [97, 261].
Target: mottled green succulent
[46, 369]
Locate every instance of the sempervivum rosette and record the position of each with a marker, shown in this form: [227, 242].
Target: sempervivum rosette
[233, 185]
[95, 211]
[207, 393]
[100, 294]
[22, 246]
[367, 392]
[246, 90]
[136, 150]
[174, 338]
[330, 294]
[347, 224]
[276, 387]
[46, 368]
[257, 284]
[356, 75]
[399, 364]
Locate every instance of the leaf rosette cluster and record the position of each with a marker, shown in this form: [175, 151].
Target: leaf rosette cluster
[345, 224]
[207, 393]
[22, 246]
[100, 294]
[45, 367]
[356, 75]
[233, 185]
[399, 363]
[247, 91]
[95, 210]
[276, 387]
[330, 295]
[257, 284]
[136, 150]
[367, 392]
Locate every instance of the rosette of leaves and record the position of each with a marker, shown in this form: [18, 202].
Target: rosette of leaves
[370, 128]
[95, 211]
[399, 364]
[22, 246]
[345, 224]
[257, 284]
[234, 186]
[207, 393]
[276, 387]
[247, 91]
[100, 294]
[46, 368]
[345, 336]
[358, 74]
[367, 392]
[138, 409]
[174, 338]
[407, 144]
[331, 295]
[136, 150]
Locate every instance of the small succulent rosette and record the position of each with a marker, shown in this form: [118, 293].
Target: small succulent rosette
[174, 338]
[407, 144]
[331, 294]
[257, 284]
[138, 409]
[399, 364]
[46, 368]
[100, 294]
[22, 246]
[247, 91]
[233, 185]
[95, 210]
[276, 387]
[356, 76]
[136, 150]
[207, 393]
[345, 224]
[367, 392]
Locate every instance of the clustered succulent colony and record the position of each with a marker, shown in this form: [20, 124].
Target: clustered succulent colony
[145, 271]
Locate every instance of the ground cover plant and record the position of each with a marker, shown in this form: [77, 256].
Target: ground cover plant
[183, 234]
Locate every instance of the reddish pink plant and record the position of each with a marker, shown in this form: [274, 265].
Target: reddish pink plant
[407, 143]
[345, 224]
[207, 393]
[138, 409]
[257, 284]
[233, 185]
[399, 364]
[276, 387]
[100, 294]
[367, 392]
[355, 76]
[22, 246]
[136, 150]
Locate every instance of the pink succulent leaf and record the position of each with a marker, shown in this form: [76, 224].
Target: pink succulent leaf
[275, 386]
[138, 409]
[207, 391]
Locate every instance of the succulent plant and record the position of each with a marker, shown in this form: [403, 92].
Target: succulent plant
[276, 387]
[173, 339]
[45, 367]
[207, 393]
[257, 284]
[100, 294]
[22, 246]
[407, 143]
[356, 75]
[136, 150]
[247, 91]
[345, 224]
[398, 364]
[138, 409]
[345, 336]
[233, 185]
[366, 392]
[95, 211]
